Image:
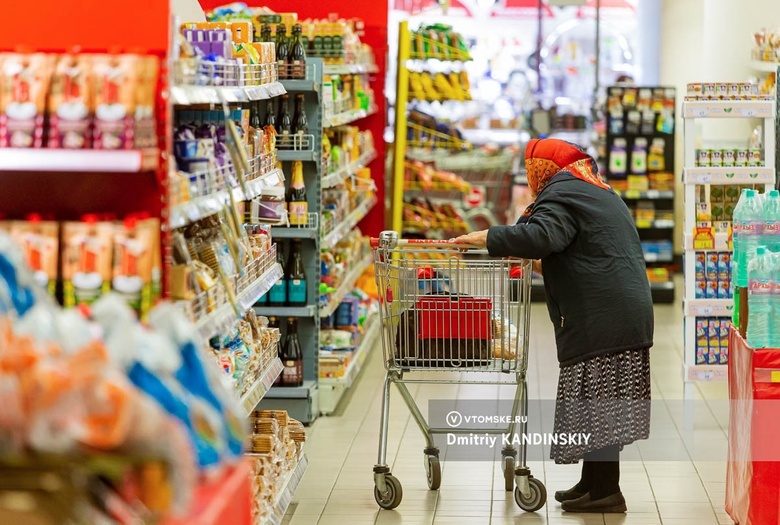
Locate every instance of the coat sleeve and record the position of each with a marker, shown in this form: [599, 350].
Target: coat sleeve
[549, 229]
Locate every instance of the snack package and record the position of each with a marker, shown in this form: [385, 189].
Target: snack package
[70, 104]
[115, 83]
[145, 133]
[39, 240]
[131, 274]
[86, 260]
[24, 83]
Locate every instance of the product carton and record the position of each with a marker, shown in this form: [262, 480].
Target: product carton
[711, 266]
[24, 85]
[702, 341]
[40, 243]
[712, 290]
[724, 266]
[700, 288]
[699, 265]
[70, 103]
[86, 260]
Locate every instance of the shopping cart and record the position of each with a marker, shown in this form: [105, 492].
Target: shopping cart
[451, 315]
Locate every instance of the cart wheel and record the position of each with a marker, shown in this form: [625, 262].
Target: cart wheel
[433, 472]
[392, 498]
[535, 500]
[509, 473]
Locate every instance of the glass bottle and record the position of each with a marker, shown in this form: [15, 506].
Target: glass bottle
[277, 295]
[265, 33]
[297, 205]
[292, 356]
[284, 125]
[282, 50]
[296, 276]
[297, 59]
[300, 122]
[270, 114]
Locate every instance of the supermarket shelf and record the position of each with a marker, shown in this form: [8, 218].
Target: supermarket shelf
[348, 223]
[729, 109]
[290, 485]
[302, 155]
[300, 85]
[721, 243]
[659, 258]
[201, 207]
[225, 316]
[766, 67]
[645, 195]
[332, 389]
[706, 372]
[347, 117]
[225, 499]
[79, 160]
[291, 232]
[287, 311]
[658, 224]
[295, 392]
[349, 69]
[662, 285]
[188, 95]
[342, 174]
[708, 307]
[346, 286]
[728, 175]
[261, 387]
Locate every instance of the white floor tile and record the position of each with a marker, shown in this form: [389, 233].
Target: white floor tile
[677, 477]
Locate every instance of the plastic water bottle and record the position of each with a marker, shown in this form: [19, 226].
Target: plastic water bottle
[748, 222]
[774, 324]
[759, 299]
[771, 230]
[736, 242]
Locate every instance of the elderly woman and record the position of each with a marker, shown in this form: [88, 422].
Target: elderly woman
[599, 301]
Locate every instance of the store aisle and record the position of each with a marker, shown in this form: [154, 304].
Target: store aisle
[338, 486]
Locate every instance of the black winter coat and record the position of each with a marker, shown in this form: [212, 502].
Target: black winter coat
[598, 294]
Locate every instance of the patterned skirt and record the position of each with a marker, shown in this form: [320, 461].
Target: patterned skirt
[607, 399]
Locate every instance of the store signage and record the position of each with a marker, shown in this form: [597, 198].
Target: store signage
[476, 197]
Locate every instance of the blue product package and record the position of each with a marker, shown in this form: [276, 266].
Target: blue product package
[347, 312]
[712, 290]
[702, 343]
[711, 266]
[724, 289]
[698, 265]
[724, 266]
[700, 289]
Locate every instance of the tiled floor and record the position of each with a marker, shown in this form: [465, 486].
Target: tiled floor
[690, 490]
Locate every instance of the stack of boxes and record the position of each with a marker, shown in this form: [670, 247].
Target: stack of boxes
[718, 91]
[712, 340]
[713, 275]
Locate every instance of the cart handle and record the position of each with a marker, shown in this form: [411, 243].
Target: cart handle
[390, 240]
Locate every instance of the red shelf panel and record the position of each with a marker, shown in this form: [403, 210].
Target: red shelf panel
[226, 500]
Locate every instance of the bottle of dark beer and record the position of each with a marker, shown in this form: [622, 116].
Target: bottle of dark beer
[292, 356]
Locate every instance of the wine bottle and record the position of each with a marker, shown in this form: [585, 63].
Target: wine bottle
[282, 50]
[277, 296]
[292, 356]
[265, 33]
[300, 122]
[297, 205]
[284, 125]
[297, 59]
[296, 276]
[270, 114]
[273, 322]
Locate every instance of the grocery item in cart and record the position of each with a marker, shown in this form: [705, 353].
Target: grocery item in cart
[446, 331]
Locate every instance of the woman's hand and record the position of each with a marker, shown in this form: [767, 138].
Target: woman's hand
[476, 240]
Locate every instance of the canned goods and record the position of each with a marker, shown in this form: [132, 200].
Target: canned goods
[703, 158]
[754, 157]
[729, 158]
[717, 158]
[742, 158]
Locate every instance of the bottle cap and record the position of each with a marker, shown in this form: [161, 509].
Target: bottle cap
[774, 193]
[761, 250]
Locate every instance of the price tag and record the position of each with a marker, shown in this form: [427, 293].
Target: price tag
[632, 194]
[705, 376]
[704, 310]
[748, 112]
[651, 257]
[775, 376]
[644, 223]
[701, 112]
[653, 194]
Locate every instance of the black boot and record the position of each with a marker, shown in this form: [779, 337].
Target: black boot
[581, 488]
[604, 495]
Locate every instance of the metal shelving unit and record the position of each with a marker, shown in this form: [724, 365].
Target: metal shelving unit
[302, 403]
[694, 308]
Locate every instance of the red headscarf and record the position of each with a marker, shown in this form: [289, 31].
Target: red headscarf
[545, 158]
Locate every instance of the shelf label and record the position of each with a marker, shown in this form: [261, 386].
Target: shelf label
[632, 194]
[775, 376]
[748, 112]
[644, 223]
[700, 112]
[653, 194]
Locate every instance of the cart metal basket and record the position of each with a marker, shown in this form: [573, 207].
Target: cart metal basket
[452, 313]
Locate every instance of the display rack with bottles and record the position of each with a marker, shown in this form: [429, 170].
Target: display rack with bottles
[708, 304]
[323, 228]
